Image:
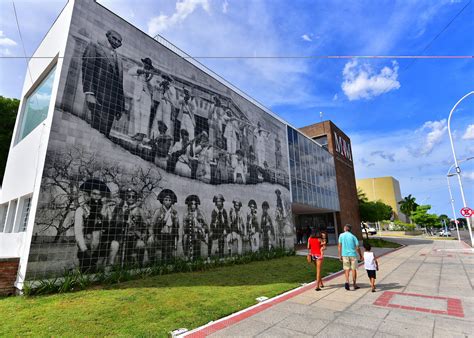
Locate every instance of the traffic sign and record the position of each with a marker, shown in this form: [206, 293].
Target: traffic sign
[466, 212]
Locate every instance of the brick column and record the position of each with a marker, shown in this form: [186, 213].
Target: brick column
[8, 272]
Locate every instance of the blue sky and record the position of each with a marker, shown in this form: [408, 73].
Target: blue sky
[394, 110]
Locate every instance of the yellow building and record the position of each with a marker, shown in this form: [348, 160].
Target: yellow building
[385, 189]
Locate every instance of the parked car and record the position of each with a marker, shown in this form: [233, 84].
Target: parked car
[369, 230]
[444, 233]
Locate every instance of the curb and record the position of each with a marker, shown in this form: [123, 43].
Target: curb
[214, 326]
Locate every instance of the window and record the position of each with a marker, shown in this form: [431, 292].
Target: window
[35, 107]
[25, 213]
[3, 215]
[11, 215]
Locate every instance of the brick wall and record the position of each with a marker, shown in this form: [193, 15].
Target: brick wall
[8, 272]
[345, 176]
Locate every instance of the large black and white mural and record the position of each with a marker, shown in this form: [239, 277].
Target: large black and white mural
[150, 159]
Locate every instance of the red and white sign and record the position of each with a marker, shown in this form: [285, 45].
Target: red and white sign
[466, 212]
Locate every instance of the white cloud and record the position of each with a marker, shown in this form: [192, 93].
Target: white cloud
[432, 133]
[335, 97]
[306, 37]
[225, 7]
[361, 82]
[469, 175]
[184, 8]
[4, 41]
[5, 52]
[469, 134]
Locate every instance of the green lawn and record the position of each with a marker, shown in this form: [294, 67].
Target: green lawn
[155, 305]
[381, 243]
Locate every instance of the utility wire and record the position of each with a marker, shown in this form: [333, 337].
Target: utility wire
[279, 57]
[22, 43]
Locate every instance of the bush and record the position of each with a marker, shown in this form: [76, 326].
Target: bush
[74, 280]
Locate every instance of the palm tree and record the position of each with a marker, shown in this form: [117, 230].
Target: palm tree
[408, 205]
[361, 196]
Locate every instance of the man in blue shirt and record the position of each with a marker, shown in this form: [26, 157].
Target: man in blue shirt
[348, 248]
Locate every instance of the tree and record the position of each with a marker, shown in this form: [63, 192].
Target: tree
[408, 205]
[421, 217]
[361, 196]
[374, 211]
[8, 111]
[444, 219]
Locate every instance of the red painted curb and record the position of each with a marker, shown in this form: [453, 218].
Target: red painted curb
[222, 323]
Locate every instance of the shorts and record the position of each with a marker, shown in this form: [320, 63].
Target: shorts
[315, 258]
[371, 274]
[349, 263]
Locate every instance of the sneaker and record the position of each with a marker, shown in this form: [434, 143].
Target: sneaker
[318, 289]
[347, 286]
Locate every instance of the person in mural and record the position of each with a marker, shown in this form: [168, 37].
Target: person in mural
[240, 168]
[199, 144]
[161, 144]
[89, 222]
[166, 106]
[261, 137]
[102, 81]
[142, 98]
[214, 119]
[221, 159]
[194, 228]
[237, 228]
[165, 225]
[230, 131]
[278, 154]
[205, 160]
[283, 228]
[178, 157]
[187, 108]
[253, 226]
[266, 225]
[219, 226]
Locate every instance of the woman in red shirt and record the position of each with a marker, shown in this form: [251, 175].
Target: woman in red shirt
[315, 250]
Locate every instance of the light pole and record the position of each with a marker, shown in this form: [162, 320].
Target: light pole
[448, 175]
[458, 170]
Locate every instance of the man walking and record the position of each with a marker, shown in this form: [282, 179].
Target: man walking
[348, 248]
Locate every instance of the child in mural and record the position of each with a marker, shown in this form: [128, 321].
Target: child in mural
[266, 225]
[178, 157]
[253, 226]
[166, 106]
[89, 223]
[165, 225]
[219, 227]
[194, 228]
[187, 108]
[142, 99]
[239, 168]
[237, 228]
[161, 145]
[102, 82]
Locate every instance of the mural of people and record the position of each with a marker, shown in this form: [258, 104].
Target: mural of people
[167, 104]
[253, 226]
[219, 226]
[186, 113]
[165, 225]
[237, 228]
[89, 222]
[266, 225]
[194, 228]
[102, 81]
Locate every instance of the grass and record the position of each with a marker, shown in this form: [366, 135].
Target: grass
[381, 243]
[156, 305]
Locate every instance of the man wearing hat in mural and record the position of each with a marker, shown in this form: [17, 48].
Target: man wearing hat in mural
[89, 222]
[194, 228]
[167, 102]
[165, 225]
[142, 99]
[219, 225]
[102, 81]
[178, 157]
[187, 108]
[266, 225]
[237, 227]
[161, 143]
[253, 226]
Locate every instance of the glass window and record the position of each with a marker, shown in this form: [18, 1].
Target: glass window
[36, 106]
[3, 215]
[11, 216]
[25, 212]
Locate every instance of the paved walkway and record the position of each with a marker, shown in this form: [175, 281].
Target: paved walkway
[424, 290]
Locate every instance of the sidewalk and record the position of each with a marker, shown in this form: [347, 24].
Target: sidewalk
[424, 290]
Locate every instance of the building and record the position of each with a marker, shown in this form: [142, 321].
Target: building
[385, 189]
[127, 151]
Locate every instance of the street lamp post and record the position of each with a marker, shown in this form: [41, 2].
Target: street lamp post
[458, 170]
